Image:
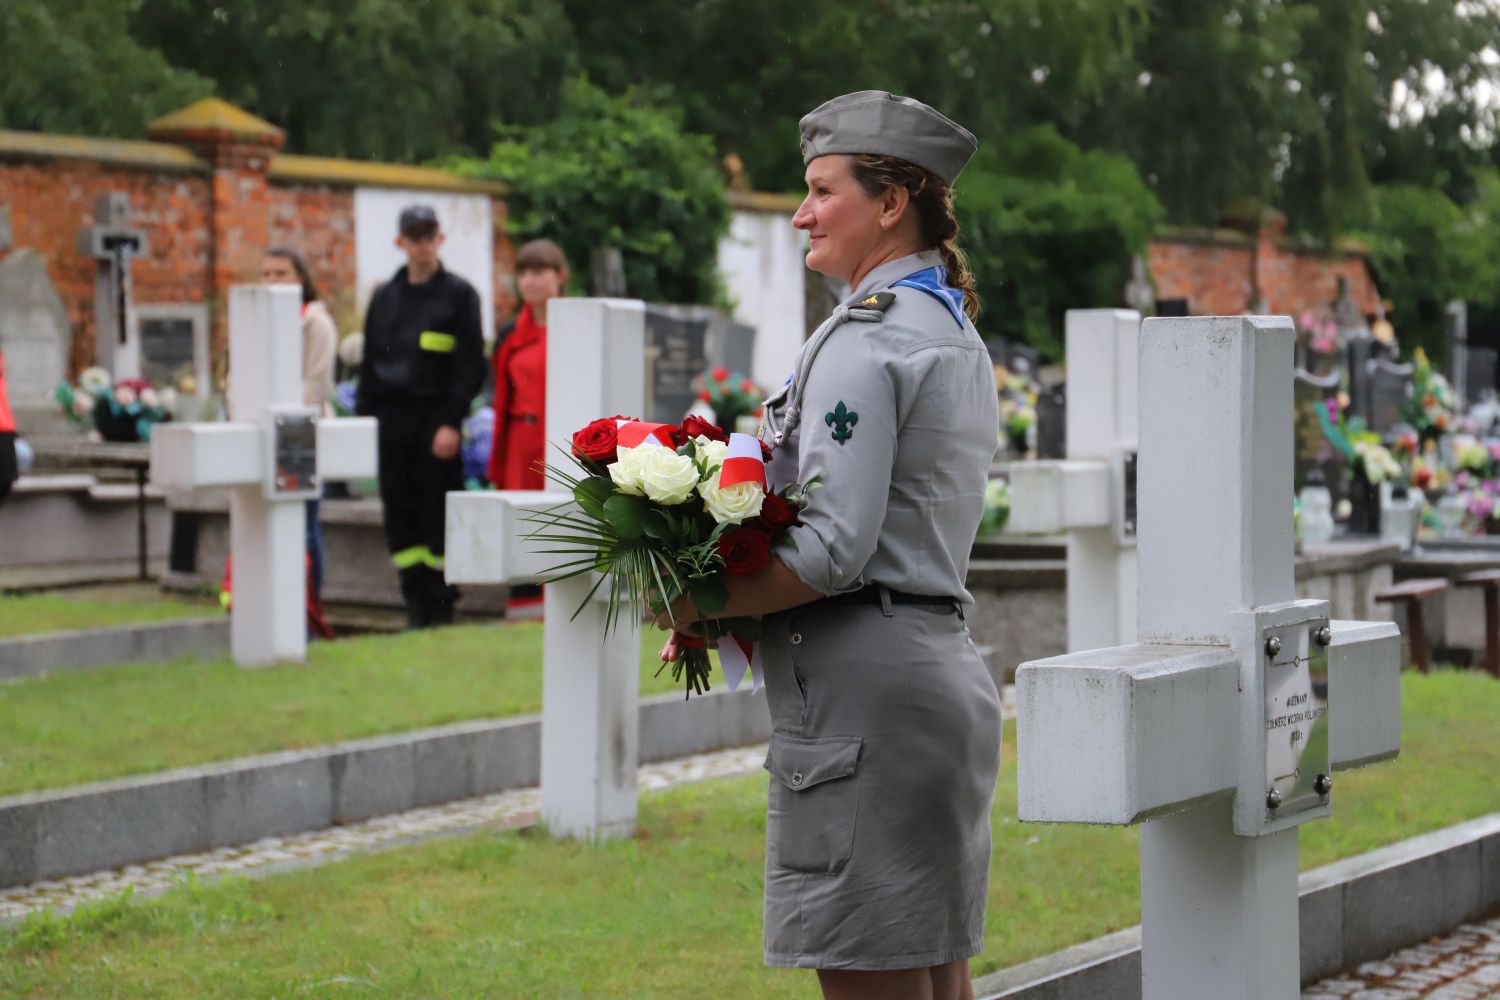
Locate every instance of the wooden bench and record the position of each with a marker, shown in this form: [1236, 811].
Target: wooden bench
[1412, 595]
[1489, 580]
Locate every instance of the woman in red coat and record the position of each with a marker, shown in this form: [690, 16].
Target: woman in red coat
[520, 368]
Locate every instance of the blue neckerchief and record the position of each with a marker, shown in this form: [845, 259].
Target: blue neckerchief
[934, 281]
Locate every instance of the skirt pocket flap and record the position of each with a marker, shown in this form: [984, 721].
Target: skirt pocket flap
[800, 764]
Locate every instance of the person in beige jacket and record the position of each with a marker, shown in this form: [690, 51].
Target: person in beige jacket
[281, 265]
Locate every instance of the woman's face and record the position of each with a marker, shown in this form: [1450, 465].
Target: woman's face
[278, 271]
[538, 284]
[842, 221]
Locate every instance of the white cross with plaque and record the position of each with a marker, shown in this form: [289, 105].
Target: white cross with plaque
[1220, 728]
[1092, 493]
[274, 455]
[590, 677]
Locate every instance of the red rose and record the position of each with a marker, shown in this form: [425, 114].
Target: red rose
[695, 426]
[720, 374]
[598, 441]
[778, 514]
[705, 397]
[744, 550]
[747, 386]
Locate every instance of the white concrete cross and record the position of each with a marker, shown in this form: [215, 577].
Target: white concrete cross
[273, 455]
[1221, 726]
[1091, 493]
[590, 680]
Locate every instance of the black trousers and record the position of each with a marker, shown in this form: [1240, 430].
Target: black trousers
[414, 486]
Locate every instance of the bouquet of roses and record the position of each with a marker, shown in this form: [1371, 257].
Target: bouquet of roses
[661, 511]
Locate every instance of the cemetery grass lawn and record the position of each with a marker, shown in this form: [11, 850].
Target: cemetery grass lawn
[674, 913]
[93, 607]
[68, 728]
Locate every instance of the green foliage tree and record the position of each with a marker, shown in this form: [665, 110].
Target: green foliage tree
[75, 68]
[379, 79]
[1427, 250]
[1049, 227]
[618, 172]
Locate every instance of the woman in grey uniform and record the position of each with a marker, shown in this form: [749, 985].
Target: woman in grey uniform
[886, 724]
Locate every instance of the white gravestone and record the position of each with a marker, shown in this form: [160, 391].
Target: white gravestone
[1221, 726]
[1091, 494]
[273, 455]
[590, 679]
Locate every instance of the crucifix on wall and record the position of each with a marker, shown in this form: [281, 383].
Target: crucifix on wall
[113, 244]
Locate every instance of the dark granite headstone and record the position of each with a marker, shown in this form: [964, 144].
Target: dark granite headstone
[1052, 422]
[1479, 373]
[1390, 388]
[676, 355]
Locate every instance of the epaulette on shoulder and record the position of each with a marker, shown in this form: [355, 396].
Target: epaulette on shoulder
[873, 307]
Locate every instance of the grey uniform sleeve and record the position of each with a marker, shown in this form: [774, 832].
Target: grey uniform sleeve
[847, 439]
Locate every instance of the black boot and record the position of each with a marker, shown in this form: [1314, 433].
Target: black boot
[442, 597]
[414, 591]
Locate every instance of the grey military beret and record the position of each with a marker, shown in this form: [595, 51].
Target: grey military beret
[875, 122]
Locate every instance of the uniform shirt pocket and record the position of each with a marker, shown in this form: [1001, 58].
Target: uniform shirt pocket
[814, 802]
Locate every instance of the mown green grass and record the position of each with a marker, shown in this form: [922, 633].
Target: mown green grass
[67, 728]
[674, 913]
[93, 607]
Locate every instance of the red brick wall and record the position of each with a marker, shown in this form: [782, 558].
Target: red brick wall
[50, 201]
[319, 222]
[1223, 273]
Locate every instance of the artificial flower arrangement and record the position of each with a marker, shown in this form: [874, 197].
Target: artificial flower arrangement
[1320, 332]
[996, 507]
[731, 396]
[1432, 406]
[121, 412]
[662, 511]
[478, 434]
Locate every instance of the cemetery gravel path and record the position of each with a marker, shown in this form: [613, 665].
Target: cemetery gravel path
[502, 810]
[1464, 965]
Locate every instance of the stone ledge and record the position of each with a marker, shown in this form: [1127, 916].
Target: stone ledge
[135, 154]
[109, 824]
[82, 649]
[1351, 911]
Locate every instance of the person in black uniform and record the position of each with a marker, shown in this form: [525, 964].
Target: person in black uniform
[423, 364]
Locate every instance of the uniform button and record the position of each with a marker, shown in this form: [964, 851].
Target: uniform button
[796, 777]
[796, 638]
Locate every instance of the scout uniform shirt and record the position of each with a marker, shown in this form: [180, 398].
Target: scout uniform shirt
[899, 422]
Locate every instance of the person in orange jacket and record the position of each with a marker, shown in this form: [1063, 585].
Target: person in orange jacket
[520, 369]
[9, 468]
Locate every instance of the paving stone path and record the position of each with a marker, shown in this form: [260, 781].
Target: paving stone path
[1464, 965]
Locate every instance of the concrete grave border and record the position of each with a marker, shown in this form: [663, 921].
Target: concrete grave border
[83, 649]
[103, 825]
[1352, 911]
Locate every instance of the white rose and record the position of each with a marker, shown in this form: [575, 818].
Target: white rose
[627, 468]
[668, 477]
[712, 454]
[734, 504]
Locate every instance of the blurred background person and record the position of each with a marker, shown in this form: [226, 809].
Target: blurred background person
[520, 371]
[423, 364]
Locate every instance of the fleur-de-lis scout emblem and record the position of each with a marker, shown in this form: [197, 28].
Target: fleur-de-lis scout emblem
[842, 420]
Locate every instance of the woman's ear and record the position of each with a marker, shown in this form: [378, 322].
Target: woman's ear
[893, 204]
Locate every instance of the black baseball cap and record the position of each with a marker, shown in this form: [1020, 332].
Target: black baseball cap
[418, 220]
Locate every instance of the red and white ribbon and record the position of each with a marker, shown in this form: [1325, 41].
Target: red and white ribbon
[737, 655]
[634, 433]
[744, 463]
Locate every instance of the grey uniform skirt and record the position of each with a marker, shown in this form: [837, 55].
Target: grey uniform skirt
[884, 754]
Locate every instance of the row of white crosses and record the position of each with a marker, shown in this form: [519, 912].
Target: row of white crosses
[1091, 493]
[273, 455]
[590, 678]
[1220, 727]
